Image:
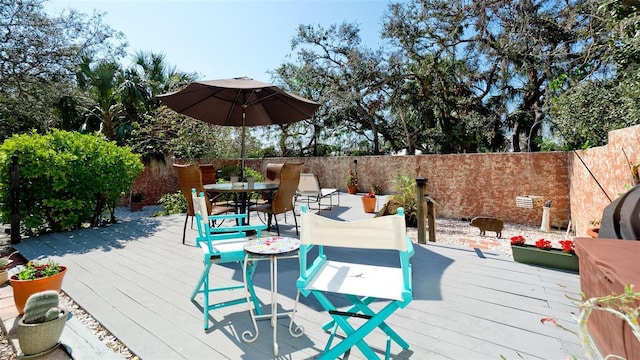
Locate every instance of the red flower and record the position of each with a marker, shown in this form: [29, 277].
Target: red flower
[371, 194]
[543, 244]
[567, 246]
[517, 240]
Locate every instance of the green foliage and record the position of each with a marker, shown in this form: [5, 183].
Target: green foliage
[585, 113]
[137, 197]
[352, 179]
[405, 195]
[226, 171]
[66, 178]
[39, 63]
[41, 307]
[172, 204]
[34, 270]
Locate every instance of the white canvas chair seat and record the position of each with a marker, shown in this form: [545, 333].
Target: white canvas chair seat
[357, 279]
[361, 284]
[309, 187]
[221, 244]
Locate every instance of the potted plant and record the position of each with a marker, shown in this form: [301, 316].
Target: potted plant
[136, 201]
[352, 182]
[369, 202]
[543, 254]
[35, 277]
[41, 326]
[405, 196]
[594, 229]
[5, 261]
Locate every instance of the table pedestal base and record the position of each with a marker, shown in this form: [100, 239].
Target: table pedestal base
[298, 331]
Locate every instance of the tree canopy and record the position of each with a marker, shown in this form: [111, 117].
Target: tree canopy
[450, 77]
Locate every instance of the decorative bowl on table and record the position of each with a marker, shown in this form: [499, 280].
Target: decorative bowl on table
[237, 184]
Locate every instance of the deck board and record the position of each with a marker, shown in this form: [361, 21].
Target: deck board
[136, 277]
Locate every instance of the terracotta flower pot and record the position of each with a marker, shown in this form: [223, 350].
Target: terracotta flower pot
[22, 289]
[4, 277]
[352, 189]
[593, 231]
[369, 204]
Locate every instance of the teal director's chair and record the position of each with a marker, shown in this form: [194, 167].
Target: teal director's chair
[220, 245]
[361, 284]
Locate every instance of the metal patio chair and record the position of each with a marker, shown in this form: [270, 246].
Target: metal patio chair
[309, 187]
[220, 245]
[361, 284]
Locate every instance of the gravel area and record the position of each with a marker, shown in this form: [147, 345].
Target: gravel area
[460, 233]
[449, 232]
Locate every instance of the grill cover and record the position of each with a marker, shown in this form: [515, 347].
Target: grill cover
[621, 219]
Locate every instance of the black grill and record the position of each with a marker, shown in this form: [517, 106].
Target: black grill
[621, 219]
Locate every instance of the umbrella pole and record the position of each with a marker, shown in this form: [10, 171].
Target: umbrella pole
[242, 145]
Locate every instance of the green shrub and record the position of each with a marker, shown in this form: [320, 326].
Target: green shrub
[172, 204]
[226, 171]
[67, 179]
[405, 195]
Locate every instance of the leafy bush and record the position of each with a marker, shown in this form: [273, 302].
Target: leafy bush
[405, 195]
[226, 171]
[172, 204]
[67, 179]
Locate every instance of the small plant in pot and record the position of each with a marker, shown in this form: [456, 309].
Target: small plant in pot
[352, 182]
[136, 201]
[40, 328]
[5, 261]
[36, 277]
[369, 202]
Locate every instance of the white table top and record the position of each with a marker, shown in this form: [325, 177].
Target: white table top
[272, 245]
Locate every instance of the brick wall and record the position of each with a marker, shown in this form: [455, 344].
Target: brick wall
[468, 185]
[609, 167]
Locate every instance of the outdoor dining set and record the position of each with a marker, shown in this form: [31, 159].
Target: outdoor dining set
[225, 236]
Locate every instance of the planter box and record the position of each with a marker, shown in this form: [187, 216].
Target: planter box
[554, 258]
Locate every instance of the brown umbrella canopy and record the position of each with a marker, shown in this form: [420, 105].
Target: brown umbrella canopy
[239, 102]
[224, 102]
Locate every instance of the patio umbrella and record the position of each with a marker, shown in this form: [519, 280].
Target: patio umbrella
[239, 102]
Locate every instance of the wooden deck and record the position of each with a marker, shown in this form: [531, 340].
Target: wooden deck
[136, 278]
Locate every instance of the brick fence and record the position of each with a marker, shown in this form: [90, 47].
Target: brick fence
[468, 185]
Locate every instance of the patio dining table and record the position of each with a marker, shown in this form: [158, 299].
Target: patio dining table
[241, 193]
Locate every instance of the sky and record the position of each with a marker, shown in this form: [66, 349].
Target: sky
[225, 39]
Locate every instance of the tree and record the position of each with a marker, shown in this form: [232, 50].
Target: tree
[346, 78]
[38, 61]
[587, 104]
[482, 67]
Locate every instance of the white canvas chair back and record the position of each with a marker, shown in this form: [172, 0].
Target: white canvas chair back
[199, 205]
[386, 232]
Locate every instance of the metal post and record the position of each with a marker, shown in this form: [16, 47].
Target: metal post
[15, 200]
[431, 217]
[421, 184]
[355, 163]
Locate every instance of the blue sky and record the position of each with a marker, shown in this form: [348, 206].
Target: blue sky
[224, 39]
